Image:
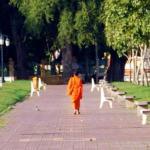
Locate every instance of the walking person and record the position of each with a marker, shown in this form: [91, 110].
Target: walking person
[75, 90]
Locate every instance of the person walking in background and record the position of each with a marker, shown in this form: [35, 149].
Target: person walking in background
[75, 90]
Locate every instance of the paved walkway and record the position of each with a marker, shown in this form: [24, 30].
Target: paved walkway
[55, 127]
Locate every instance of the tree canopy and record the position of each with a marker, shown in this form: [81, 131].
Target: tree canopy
[127, 23]
[122, 24]
[77, 20]
[86, 23]
[36, 12]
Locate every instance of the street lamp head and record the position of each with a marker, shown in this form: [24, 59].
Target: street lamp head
[1, 40]
[7, 42]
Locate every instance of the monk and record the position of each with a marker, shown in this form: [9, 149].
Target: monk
[74, 90]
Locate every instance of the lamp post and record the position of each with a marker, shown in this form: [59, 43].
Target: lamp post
[3, 40]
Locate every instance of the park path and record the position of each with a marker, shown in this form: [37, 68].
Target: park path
[55, 127]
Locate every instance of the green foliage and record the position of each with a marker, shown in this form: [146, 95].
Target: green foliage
[11, 93]
[77, 21]
[65, 28]
[140, 92]
[82, 25]
[36, 12]
[126, 23]
[86, 23]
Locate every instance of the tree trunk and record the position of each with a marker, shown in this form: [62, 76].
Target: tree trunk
[144, 78]
[67, 62]
[18, 45]
[116, 68]
[134, 65]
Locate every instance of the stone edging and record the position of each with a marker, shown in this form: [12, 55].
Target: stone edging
[140, 106]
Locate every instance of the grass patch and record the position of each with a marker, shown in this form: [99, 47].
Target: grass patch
[141, 93]
[11, 93]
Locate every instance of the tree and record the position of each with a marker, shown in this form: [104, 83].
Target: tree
[39, 14]
[9, 26]
[126, 24]
[35, 17]
[65, 38]
[18, 35]
[77, 23]
[36, 12]
[88, 27]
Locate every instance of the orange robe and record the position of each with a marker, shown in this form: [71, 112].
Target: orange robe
[74, 90]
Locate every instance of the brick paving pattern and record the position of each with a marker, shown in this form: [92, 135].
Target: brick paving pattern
[54, 127]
